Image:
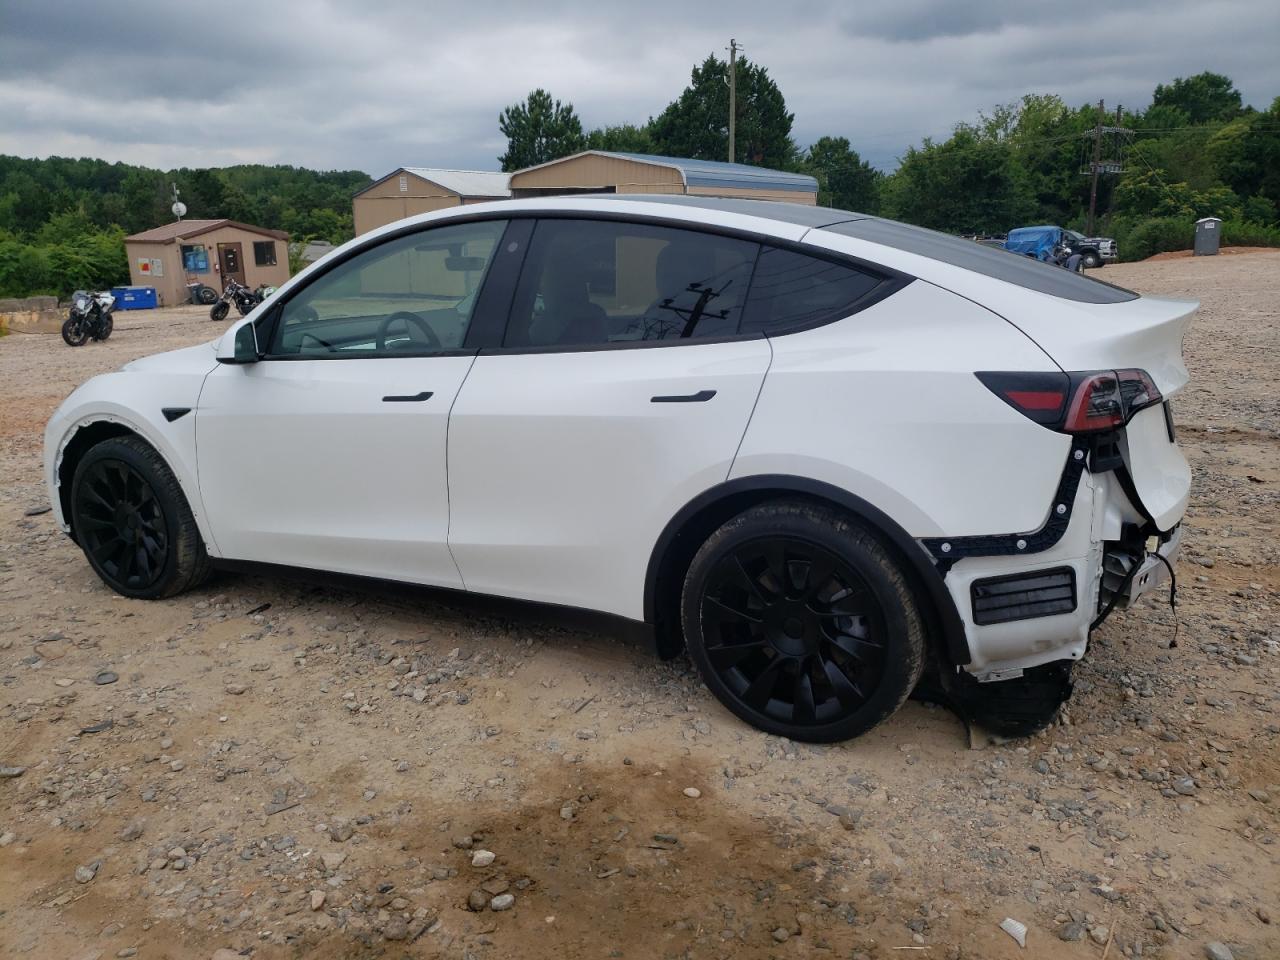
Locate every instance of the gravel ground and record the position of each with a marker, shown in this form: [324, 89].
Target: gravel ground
[276, 769]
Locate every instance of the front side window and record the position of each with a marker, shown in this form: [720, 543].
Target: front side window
[595, 282]
[264, 253]
[791, 290]
[412, 295]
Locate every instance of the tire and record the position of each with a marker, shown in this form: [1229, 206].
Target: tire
[815, 656]
[133, 521]
[108, 324]
[1090, 260]
[220, 310]
[1013, 708]
[208, 296]
[74, 332]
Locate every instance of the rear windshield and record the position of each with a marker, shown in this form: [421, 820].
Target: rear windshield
[1000, 264]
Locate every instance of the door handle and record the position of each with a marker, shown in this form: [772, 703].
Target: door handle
[702, 396]
[409, 398]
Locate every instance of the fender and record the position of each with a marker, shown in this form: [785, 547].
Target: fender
[743, 492]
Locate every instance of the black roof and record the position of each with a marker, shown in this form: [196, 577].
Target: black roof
[991, 262]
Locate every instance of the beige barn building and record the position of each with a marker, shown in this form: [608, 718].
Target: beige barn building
[412, 190]
[209, 251]
[601, 171]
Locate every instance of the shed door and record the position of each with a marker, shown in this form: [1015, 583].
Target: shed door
[231, 260]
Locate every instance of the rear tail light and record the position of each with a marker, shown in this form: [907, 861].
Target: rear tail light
[1088, 402]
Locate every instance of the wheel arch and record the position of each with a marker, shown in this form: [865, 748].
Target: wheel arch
[696, 520]
[92, 430]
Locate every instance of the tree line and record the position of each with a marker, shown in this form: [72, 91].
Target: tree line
[63, 221]
[1195, 151]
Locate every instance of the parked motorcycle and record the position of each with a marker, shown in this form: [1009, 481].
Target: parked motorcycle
[1063, 256]
[90, 317]
[244, 299]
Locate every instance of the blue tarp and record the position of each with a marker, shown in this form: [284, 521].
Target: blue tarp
[1035, 242]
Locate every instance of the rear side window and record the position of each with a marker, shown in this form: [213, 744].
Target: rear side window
[791, 290]
[600, 282]
[999, 264]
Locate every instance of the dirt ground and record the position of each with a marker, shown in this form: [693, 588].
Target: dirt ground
[286, 770]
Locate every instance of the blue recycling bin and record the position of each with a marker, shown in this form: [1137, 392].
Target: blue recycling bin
[135, 298]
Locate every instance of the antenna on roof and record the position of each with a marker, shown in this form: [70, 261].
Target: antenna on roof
[179, 208]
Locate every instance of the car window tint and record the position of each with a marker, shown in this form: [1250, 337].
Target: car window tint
[792, 290]
[413, 295]
[594, 282]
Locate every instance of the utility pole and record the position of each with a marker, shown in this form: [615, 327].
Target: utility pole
[733, 94]
[1097, 162]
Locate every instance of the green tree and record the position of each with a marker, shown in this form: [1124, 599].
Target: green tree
[845, 180]
[968, 184]
[538, 130]
[1203, 98]
[696, 124]
[621, 138]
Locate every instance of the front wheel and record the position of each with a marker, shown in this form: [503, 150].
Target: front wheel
[220, 310]
[801, 622]
[133, 522]
[1091, 260]
[74, 332]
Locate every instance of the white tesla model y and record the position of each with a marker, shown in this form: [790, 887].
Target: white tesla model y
[821, 450]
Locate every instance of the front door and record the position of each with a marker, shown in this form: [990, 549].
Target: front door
[231, 263]
[329, 453]
[621, 392]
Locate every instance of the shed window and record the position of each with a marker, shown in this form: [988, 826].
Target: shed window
[195, 258]
[264, 253]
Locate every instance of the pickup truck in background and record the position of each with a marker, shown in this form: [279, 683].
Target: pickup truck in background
[1040, 242]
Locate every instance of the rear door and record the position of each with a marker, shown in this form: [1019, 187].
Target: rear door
[621, 391]
[329, 453]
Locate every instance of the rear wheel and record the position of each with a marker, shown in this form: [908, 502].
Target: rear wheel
[133, 522]
[802, 623]
[106, 325]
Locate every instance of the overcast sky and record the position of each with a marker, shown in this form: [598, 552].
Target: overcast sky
[387, 83]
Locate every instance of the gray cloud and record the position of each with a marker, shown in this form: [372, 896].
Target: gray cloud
[331, 84]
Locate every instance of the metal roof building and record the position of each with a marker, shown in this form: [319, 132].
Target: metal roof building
[410, 190]
[601, 171]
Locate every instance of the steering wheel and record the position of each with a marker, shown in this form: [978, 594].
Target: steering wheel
[410, 318]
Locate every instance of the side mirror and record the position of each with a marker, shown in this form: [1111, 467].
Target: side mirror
[240, 345]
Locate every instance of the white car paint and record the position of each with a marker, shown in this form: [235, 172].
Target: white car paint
[557, 459]
[551, 476]
[303, 463]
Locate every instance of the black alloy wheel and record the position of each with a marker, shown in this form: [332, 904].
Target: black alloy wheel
[801, 623]
[121, 525]
[131, 518]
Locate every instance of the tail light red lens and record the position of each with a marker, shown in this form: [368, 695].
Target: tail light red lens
[1087, 402]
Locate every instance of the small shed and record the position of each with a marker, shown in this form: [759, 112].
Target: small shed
[210, 251]
[601, 171]
[407, 191]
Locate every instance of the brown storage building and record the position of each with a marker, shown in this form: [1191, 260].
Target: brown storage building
[413, 190]
[209, 251]
[601, 171]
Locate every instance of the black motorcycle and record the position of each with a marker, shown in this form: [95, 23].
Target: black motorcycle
[90, 317]
[244, 299]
